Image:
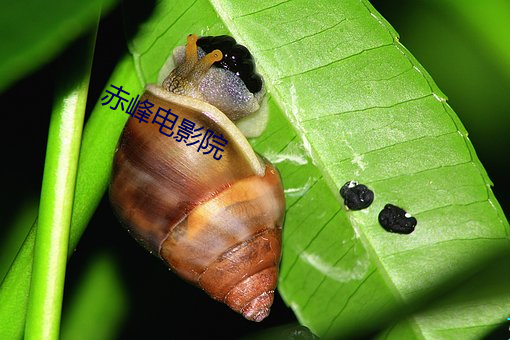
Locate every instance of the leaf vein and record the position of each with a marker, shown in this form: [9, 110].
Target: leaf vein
[368, 108]
[336, 61]
[435, 243]
[418, 172]
[262, 10]
[398, 144]
[450, 205]
[309, 242]
[304, 37]
[311, 295]
[347, 301]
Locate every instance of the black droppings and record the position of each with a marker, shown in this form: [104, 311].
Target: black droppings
[236, 58]
[396, 220]
[356, 196]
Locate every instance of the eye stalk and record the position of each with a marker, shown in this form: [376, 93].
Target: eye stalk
[236, 58]
[220, 72]
[185, 79]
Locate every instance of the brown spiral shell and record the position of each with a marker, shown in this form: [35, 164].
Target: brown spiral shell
[216, 223]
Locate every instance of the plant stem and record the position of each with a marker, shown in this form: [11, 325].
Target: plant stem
[99, 140]
[57, 195]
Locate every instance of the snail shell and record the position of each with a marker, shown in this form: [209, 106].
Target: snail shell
[216, 223]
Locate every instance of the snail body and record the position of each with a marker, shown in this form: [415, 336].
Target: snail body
[215, 220]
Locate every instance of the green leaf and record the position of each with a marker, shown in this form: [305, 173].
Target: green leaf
[347, 101]
[99, 303]
[17, 231]
[34, 32]
[450, 40]
[474, 16]
[285, 332]
[362, 108]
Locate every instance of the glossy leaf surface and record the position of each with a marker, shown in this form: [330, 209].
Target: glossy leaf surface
[31, 33]
[360, 107]
[347, 101]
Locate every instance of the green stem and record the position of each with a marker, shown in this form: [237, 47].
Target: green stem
[99, 139]
[57, 195]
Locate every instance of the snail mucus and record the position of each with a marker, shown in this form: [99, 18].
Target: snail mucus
[216, 222]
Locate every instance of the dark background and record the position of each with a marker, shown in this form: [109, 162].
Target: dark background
[159, 302]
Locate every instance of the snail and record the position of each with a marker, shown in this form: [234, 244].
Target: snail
[214, 218]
